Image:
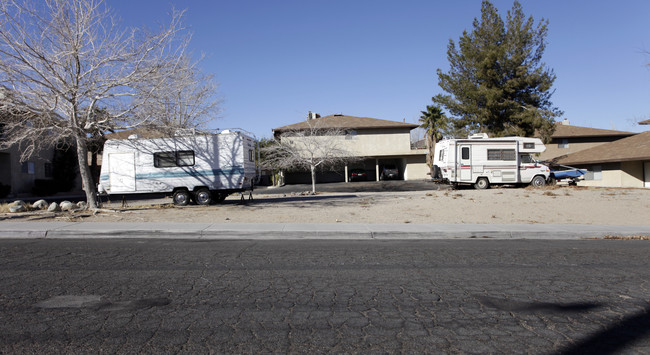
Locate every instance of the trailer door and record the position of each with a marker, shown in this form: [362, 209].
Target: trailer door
[121, 172]
[465, 167]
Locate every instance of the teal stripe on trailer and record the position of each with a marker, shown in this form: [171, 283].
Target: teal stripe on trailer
[202, 173]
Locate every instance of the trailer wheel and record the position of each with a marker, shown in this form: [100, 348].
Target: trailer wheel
[181, 198]
[203, 197]
[538, 181]
[482, 184]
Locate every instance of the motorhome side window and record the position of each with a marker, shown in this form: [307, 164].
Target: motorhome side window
[465, 153]
[501, 154]
[173, 159]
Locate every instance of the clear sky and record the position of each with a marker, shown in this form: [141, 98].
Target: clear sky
[275, 60]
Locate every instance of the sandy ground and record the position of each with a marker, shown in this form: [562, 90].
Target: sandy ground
[556, 205]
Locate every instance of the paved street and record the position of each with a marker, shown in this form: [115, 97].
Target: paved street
[261, 296]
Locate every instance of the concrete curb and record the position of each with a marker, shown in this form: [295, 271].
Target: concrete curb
[294, 231]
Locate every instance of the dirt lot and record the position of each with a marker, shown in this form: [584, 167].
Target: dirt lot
[557, 205]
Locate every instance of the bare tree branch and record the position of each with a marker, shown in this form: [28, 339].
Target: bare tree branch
[309, 149]
[62, 60]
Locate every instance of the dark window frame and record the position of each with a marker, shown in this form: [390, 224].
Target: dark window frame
[179, 158]
[502, 154]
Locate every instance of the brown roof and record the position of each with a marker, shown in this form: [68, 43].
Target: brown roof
[636, 147]
[568, 131]
[345, 122]
[645, 122]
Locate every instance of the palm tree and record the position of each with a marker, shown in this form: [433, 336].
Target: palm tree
[434, 122]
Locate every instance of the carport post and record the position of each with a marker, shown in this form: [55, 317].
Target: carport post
[346, 173]
[377, 169]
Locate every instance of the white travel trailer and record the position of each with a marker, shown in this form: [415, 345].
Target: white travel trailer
[200, 167]
[483, 161]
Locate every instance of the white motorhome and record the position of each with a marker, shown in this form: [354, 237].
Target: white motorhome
[484, 161]
[199, 167]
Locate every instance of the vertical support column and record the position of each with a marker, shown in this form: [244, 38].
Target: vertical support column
[377, 169]
[346, 173]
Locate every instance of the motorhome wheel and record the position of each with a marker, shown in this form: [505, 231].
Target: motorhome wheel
[482, 184]
[538, 181]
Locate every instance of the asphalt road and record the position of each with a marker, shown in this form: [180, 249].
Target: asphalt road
[438, 296]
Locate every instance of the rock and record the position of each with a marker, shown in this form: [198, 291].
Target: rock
[54, 207]
[81, 205]
[40, 205]
[18, 206]
[68, 206]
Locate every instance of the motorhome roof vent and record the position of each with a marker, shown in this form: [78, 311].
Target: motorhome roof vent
[478, 136]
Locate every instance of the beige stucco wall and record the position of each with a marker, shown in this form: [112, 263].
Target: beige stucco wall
[383, 145]
[370, 142]
[625, 174]
[416, 168]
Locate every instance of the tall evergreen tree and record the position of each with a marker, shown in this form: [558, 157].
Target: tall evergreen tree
[497, 82]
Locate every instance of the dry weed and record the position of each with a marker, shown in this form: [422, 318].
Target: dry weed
[627, 237]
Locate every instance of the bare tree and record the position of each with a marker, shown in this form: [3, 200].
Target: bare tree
[309, 149]
[188, 98]
[62, 60]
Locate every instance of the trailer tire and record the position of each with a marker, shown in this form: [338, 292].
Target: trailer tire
[538, 181]
[482, 183]
[203, 197]
[181, 198]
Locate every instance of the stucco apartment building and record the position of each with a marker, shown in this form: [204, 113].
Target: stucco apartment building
[376, 142]
[612, 158]
[21, 176]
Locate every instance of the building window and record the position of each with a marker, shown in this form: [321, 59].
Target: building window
[529, 145]
[251, 155]
[27, 168]
[595, 173]
[173, 159]
[501, 154]
[564, 144]
[47, 168]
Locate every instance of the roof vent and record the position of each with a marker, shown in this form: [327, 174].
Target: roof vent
[566, 122]
[338, 114]
[478, 136]
[312, 116]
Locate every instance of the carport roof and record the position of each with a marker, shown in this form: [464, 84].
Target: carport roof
[636, 147]
[340, 121]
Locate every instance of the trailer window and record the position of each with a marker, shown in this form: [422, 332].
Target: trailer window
[529, 145]
[185, 158]
[464, 153]
[501, 154]
[173, 159]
